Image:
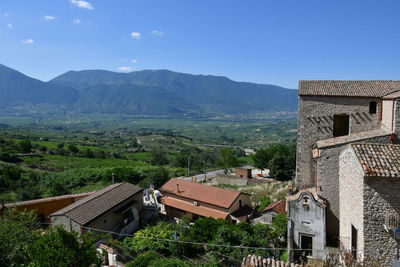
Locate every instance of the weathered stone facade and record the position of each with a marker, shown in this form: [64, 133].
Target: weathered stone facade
[315, 123]
[328, 182]
[364, 201]
[380, 194]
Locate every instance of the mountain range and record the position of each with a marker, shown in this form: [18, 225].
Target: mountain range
[141, 93]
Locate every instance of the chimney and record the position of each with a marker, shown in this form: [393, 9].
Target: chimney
[112, 180]
[177, 188]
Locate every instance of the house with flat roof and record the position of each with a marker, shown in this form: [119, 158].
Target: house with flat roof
[195, 200]
[369, 179]
[115, 208]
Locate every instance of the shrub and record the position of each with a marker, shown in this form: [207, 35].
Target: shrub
[143, 259]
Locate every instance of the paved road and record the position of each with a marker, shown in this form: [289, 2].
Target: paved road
[200, 177]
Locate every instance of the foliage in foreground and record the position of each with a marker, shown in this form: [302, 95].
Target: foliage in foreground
[159, 238]
[22, 242]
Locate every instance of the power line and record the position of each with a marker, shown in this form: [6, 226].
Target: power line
[195, 243]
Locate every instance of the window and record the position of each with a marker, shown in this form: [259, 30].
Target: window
[372, 107]
[341, 125]
[306, 202]
[240, 203]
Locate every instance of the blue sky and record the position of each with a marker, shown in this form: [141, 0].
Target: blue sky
[264, 41]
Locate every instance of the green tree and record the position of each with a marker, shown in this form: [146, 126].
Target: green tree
[143, 259]
[279, 168]
[159, 157]
[57, 247]
[227, 158]
[25, 146]
[16, 234]
[146, 239]
[264, 201]
[169, 262]
[73, 148]
[279, 223]
[261, 158]
[156, 177]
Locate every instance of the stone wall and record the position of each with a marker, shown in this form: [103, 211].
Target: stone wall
[351, 184]
[315, 122]
[397, 117]
[328, 184]
[380, 194]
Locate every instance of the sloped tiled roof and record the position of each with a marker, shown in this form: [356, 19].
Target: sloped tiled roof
[208, 194]
[190, 207]
[348, 88]
[277, 206]
[382, 160]
[87, 209]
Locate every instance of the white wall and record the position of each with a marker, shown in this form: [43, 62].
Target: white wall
[351, 204]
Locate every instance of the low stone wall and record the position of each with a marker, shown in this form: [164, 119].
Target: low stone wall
[257, 261]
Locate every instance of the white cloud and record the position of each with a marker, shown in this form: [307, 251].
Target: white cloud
[9, 25]
[6, 14]
[82, 4]
[76, 21]
[134, 61]
[49, 17]
[158, 33]
[27, 41]
[136, 35]
[125, 68]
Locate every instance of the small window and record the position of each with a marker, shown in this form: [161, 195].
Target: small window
[240, 203]
[341, 125]
[372, 107]
[306, 202]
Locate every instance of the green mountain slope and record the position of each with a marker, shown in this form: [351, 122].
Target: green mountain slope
[131, 99]
[206, 93]
[17, 88]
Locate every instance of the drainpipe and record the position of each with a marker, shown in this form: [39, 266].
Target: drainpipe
[316, 177]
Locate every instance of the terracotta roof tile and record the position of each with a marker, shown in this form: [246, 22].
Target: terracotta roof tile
[85, 210]
[204, 193]
[348, 88]
[381, 160]
[277, 206]
[190, 207]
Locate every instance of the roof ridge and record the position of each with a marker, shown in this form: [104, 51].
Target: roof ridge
[85, 200]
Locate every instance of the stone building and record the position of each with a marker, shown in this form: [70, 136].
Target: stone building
[332, 114]
[369, 183]
[306, 226]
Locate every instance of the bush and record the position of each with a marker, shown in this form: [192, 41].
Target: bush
[169, 262]
[72, 148]
[25, 146]
[143, 259]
